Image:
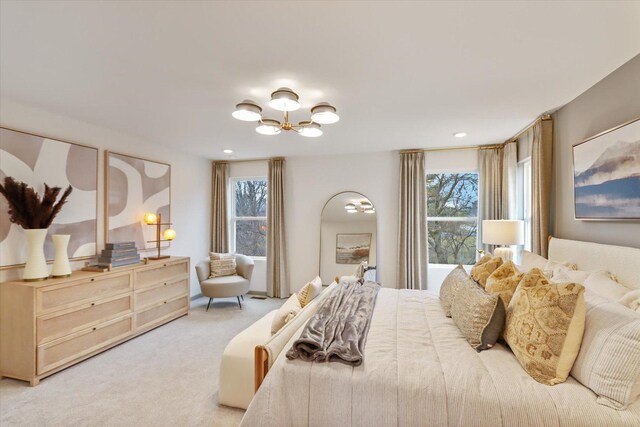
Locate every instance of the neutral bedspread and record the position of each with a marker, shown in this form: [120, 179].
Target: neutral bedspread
[419, 371]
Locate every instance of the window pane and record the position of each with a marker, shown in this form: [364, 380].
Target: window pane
[251, 198]
[251, 237]
[452, 194]
[452, 242]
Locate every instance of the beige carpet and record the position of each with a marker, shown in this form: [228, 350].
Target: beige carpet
[166, 377]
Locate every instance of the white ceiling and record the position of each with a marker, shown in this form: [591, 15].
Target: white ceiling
[402, 75]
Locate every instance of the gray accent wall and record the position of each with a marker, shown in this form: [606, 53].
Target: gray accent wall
[611, 102]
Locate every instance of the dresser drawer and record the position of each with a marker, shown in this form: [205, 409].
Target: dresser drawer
[60, 297]
[160, 274]
[59, 324]
[164, 292]
[64, 350]
[159, 313]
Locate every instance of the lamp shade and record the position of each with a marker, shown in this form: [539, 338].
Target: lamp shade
[503, 232]
[284, 99]
[324, 113]
[247, 111]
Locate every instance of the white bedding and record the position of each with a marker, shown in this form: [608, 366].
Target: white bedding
[419, 371]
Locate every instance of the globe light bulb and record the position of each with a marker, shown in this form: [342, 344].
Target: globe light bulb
[150, 218]
[169, 234]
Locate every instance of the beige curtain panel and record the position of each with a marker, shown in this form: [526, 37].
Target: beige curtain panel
[489, 190]
[541, 178]
[509, 183]
[277, 285]
[219, 227]
[412, 236]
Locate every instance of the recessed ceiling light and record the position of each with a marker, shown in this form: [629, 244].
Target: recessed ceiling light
[460, 134]
[227, 151]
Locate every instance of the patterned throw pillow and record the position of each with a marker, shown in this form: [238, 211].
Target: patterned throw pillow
[222, 265]
[544, 326]
[483, 268]
[450, 286]
[310, 291]
[504, 281]
[478, 314]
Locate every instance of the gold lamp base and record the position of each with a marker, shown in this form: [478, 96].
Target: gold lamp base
[155, 258]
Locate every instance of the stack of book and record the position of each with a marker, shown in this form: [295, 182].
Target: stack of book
[119, 254]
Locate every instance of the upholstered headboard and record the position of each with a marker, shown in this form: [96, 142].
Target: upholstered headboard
[622, 261]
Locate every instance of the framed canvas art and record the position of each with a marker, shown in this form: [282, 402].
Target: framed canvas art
[135, 186]
[353, 248]
[37, 160]
[606, 174]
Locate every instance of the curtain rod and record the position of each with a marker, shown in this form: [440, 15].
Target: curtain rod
[261, 159]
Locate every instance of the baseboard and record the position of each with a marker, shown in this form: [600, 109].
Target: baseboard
[196, 296]
[259, 293]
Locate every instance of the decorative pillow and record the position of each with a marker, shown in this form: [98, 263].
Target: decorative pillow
[450, 286]
[478, 314]
[504, 281]
[609, 360]
[566, 275]
[222, 265]
[529, 260]
[601, 283]
[483, 268]
[286, 313]
[553, 268]
[544, 326]
[310, 291]
[631, 300]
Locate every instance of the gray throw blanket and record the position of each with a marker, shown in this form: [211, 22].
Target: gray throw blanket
[338, 331]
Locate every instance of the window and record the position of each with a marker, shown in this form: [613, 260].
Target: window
[524, 199]
[248, 222]
[452, 217]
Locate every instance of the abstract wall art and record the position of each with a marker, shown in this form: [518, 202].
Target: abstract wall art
[36, 160]
[606, 175]
[135, 186]
[352, 248]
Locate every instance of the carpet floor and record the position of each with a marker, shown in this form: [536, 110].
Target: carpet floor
[166, 377]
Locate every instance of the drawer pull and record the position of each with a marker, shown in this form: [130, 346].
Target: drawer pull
[164, 265]
[165, 302]
[92, 304]
[93, 279]
[165, 283]
[95, 329]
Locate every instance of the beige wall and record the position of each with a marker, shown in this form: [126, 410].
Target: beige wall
[612, 101]
[190, 177]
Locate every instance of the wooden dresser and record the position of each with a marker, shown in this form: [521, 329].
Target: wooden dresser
[49, 325]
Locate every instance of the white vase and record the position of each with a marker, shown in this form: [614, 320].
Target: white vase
[61, 267]
[36, 266]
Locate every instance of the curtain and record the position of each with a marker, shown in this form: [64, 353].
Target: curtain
[219, 224]
[509, 176]
[412, 236]
[277, 285]
[489, 190]
[541, 176]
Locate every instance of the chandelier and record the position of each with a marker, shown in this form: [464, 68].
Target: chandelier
[360, 207]
[286, 100]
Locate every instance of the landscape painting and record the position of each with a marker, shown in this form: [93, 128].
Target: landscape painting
[606, 175]
[353, 248]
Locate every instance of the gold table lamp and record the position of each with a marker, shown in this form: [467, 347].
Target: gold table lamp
[169, 234]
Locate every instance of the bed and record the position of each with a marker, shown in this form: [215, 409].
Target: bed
[419, 370]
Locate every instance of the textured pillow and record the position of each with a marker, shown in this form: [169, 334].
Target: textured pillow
[504, 281]
[310, 291]
[478, 314]
[544, 326]
[483, 268]
[222, 265]
[609, 360]
[450, 286]
[553, 268]
[601, 283]
[286, 313]
[631, 300]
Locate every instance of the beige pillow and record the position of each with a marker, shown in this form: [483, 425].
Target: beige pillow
[544, 326]
[478, 314]
[609, 359]
[310, 291]
[601, 283]
[631, 300]
[529, 260]
[286, 313]
[450, 286]
[222, 265]
[504, 281]
[483, 268]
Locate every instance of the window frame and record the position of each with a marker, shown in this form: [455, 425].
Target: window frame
[231, 211]
[449, 218]
[524, 198]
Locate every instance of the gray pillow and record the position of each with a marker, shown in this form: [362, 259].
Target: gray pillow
[478, 314]
[450, 286]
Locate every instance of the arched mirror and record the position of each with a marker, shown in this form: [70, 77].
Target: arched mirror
[348, 235]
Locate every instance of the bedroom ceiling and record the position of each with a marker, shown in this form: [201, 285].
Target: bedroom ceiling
[402, 75]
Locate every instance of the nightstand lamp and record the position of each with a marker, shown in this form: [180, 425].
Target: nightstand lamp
[503, 232]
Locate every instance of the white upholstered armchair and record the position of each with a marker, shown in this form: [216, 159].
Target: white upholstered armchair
[227, 286]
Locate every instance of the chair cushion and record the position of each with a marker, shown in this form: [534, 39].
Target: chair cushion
[221, 287]
[222, 265]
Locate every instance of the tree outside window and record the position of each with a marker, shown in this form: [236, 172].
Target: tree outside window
[249, 216]
[452, 217]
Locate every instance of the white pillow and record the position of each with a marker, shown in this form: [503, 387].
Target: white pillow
[601, 283]
[531, 260]
[286, 313]
[566, 275]
[609, 359]
[631, 299]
